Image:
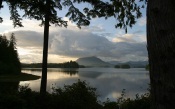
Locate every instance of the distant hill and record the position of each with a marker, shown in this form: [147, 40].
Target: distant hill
[137, 64]
[93, 62]
[133, 64]
[115, 62]
[96, 62]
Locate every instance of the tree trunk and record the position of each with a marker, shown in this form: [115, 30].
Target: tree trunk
[161, 52]
[0, 4]
[45, 49]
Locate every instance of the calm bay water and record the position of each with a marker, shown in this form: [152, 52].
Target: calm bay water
[109, 81]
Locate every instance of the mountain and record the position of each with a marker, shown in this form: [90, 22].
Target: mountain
[115, 62]
[92, 62]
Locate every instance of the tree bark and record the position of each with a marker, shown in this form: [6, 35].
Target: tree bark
[45, 49]
[161, 52]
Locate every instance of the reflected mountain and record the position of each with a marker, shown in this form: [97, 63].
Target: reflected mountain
[89, 74]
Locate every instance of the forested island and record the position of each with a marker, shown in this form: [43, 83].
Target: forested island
[123, 66]
[70, 64]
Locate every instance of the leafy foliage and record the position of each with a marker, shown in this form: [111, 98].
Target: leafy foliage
[15, 17]
[140, 102]
[77, 96]
[124, 11]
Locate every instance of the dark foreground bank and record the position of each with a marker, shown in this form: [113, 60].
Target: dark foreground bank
[18, 77]
[79, 95]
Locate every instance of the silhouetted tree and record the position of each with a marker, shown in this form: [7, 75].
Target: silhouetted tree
[9, 60]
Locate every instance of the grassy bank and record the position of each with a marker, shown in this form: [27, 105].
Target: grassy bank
[18, 77]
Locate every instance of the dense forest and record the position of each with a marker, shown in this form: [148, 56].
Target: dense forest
[9, 60]
[71, 64]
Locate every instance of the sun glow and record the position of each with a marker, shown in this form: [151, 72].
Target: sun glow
[22, 51]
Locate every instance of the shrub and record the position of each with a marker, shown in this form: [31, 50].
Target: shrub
[76, 96]
[140, 102]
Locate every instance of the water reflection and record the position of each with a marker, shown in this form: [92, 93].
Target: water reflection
[109, 81]
[90, 74]
[69, 71]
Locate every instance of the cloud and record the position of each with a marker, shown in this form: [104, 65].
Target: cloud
[79, 44]
[135, 37]
[125, 38]
[95, 28]
[83, 43]
[70, 44]
[138, 31]
[27, 38]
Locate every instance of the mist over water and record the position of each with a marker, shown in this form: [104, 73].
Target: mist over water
[109, 81]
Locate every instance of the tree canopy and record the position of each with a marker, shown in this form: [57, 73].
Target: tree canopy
[124, 11]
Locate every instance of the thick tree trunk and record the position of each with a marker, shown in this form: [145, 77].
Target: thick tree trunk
[161, 52]
[45, 49]
[0, 4]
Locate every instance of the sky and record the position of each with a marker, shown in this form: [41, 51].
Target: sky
[100, 39]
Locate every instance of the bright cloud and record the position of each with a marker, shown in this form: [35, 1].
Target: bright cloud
[70, 44]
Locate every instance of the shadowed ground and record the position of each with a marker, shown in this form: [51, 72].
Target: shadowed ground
[18, 77]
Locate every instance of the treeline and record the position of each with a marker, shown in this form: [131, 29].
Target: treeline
[9, 60]
[124, 66]
[71, 64]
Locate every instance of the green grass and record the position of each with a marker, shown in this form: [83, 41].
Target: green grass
[18, 77]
